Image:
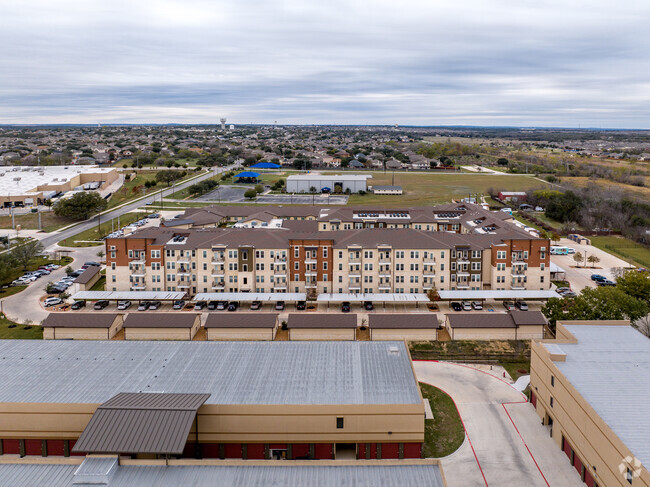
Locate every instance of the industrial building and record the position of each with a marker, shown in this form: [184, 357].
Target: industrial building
[591, 387]
[209, 399]
[303, 183]
[32, 185]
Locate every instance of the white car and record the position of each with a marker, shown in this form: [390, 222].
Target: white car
[121, 305]
[570, 250]
[52, 302]
[467, 306]
[477, 305]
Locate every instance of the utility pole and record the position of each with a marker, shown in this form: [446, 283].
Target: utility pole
[40, 225]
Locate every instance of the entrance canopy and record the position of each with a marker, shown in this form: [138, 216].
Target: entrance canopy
[141, 422]
[377, 297]
[505, 294]
[130, 295]
[248, 297]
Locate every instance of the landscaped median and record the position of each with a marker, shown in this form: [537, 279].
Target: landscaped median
[9, 329]
[443, 434]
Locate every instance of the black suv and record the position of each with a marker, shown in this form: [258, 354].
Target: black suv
[301, 305]
[101, 304]
[345, 307]
[368, 306]
[78, 305]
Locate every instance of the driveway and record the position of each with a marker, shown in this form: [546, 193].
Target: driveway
[581, 277]
[26, 305]
[506, 443]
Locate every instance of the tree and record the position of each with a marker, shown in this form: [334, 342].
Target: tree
[81, 205]
[563, 207]
[7, 264]
[312, 189]
[593, 260]
[578, 257]
[26, 251]
[69, 270]
[259, 188]
[502, 161]
[636, 284]
[433, 294]
[169, 176]
[250, 194]
[100, 254]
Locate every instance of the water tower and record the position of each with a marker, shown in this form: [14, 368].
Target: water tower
[223, 124]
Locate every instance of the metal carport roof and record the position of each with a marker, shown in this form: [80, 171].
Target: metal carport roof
[141, 422]
[246, 297]
[130, 295]
[502, 294]
[378, 297]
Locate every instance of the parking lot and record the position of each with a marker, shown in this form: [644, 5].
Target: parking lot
[235, 194]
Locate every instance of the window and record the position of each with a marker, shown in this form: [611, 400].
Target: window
[324, 252]
[324, 266]
[296, 252]
[541, 266]
[501, 254]
[552, 381]
[551, 401]
[155, 254]
[339, 424]
[442, 254]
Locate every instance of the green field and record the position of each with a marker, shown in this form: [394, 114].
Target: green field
[92, 236]
[422, 189]
[443, 434]
[135, 188]
[33, 265]
[29, 221]
[11, 330]
[632, 252]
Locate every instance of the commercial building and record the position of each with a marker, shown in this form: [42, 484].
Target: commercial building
[32, 185]
[208, 399]
[591, 387]
[81, 326]
[393, 190]
[303, 183]
[249, 326]
[514, 325]
[405, 326]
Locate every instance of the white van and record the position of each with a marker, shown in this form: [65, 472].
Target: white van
[556, 250]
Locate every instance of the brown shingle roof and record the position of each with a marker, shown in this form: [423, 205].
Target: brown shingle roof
[403, 320]
[80, 320]
[322, 320]
[241, 320]
[523, 318]
[159, 320]
[87, 275]
[480, 320]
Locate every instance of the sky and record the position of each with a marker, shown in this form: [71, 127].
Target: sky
[564, 63]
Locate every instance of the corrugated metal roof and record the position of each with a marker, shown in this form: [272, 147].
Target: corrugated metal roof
[248, 297]
[320, 372]
[377, 297]
[130, 295]
[505, 294]
[480, 320]
[80, 320]
[610, 368]
[160, 320]
[141, 423]
[322, 320]
[88, 274]
[403, 320]
[241, 320]
[307, 475]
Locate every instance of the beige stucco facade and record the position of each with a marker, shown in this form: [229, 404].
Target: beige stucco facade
[67, 333]
[574, 421]
[167, 333]
[241, 333]
[322, 334]
[408, 334]
[522, 333]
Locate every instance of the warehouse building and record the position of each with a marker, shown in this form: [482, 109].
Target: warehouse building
[514, 325]
[245, 326]
[208, 399]
[161, 326]
[405, 326]
[322, 326]
[303, 183]
[591, 387]
[81, 326]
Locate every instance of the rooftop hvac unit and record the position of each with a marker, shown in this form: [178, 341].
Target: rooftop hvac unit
[17, 179]
[392, 350]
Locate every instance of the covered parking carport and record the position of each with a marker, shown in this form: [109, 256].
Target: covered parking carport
[498, 295]
[250, 297]
[139, 296]
[374, 298]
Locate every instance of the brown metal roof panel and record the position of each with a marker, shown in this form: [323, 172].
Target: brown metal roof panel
[480, 320]
[322, 320]
[80, 320]
[241, 320]
[403, 320]
[88, 274]
[155, 400]
[523, 318]
[160, 320]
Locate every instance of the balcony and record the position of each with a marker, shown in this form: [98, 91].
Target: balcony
[138, 287]
[183, 271]
[355, 287]
[384, 287]
[518, 286]
[218, 285]
[462, 260]
[385, 274]
[354, 274]
[311, 260]
[183, 260]
[138, 260]
[279, 260]
[183, 284]
[310, 285]
[311, 273]
[462, 285]
[518, 271]
[280, 287]
[218, 273]
[431, 275]
[429, 261]
[385, 262]
[218, 259]
[462, 273]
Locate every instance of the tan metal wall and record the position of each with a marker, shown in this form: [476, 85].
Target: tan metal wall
[322, 334]
[481, 333]
[157, 334]
[409, 334]
[240, 333]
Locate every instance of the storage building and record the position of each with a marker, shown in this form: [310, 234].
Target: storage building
[515, 325]
[322, 326]
[81, 326]
[404, 326]
[161, 326]
[241, 326]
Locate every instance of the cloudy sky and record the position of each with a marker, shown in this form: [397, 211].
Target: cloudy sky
[565, 63]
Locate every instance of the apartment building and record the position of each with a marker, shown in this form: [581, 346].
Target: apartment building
[370, 260]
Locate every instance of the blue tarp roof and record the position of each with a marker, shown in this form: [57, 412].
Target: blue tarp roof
[247, 174]
[265, 165]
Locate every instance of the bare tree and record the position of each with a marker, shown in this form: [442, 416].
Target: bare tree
[643, 325]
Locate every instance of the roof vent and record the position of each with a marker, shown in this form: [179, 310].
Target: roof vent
[393, 350]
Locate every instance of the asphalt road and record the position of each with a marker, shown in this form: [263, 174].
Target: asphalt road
[58, 236]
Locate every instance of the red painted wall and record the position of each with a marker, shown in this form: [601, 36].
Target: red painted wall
[300, 450]
[256, 451]
[75, 454]
[233, 450]
[412, 450]
[55, 447]
[188, 451]
[209, 450]
[361, 448]
[33, 447]
[323, 451]
[11, 447]
[373, 450]
[389, 450]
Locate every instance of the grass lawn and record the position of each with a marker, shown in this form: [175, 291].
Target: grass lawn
[516, 369]
[135, 187]
[443, 434]
[29, 221]
[100, 285]
[9, 329]
[10, 291]
[626, 249]
[94, 235]
[34, 264]
[421, 189]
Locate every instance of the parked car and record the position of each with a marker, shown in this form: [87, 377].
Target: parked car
[52, 302]
[569, 294]
[477, 305]
[57, 290]
[179, 304]
[522, 305]
[93, 263]
[144, 306]
[212, 305]
[561, 290]
[279, 306]
[233, 306]
[78, 304]
[345, 307]
[20, 282]
[571, 250]
[467, 306]
[255, 305]
[122, 305]
[456, 306]
[222, 304]
[300, 305]
[368, 306]
[101, 304]
[606, 282]
[154, 305]
[509, 305]
[597, 277]
[199, 305]
[53, 266]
